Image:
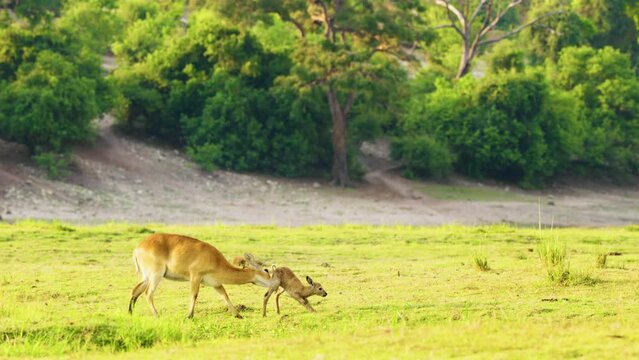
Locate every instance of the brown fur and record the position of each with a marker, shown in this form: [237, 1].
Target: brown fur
[285, 278]
[239, 261]
[182, 258]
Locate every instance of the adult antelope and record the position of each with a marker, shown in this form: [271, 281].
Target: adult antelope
[182, 258]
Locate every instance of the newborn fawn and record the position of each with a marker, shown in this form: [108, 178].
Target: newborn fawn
[285, 278]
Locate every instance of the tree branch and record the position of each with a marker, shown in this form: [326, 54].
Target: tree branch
[520, 28]
[498, 17]
[327, 21]
[477, 10]
[349, 104]
[451, 9]
[299, 27]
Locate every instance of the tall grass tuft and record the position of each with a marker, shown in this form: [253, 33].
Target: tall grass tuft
[480, 261]
[602, 258]
[553, 256]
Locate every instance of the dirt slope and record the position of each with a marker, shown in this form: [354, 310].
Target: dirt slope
[123, 179]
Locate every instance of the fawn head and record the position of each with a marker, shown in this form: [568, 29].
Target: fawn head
[316, 288]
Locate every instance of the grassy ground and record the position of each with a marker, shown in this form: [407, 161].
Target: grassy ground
[453, 192]
[393, 292]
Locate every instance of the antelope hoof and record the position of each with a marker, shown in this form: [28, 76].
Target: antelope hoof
[239, 316]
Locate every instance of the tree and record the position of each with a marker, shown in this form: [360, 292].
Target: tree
[341, 47]
[509, 126]
[614, 22]
[211, 89]
[33, 10]
[605, 83]
[478, 25]
[51, 87]
[49, 105]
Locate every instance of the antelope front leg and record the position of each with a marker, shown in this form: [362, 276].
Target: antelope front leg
[304, 303]
[232, 309]
[267, 296]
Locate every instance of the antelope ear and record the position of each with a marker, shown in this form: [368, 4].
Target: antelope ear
[251, 261]
[309, 280]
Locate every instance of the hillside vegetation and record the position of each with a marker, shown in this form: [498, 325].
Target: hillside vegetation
[521, 92]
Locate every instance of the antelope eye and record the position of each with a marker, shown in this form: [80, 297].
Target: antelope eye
[320, 289]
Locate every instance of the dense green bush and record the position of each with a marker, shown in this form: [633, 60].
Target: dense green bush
[53, 88]
[212, 90]
[607, 88]
[423, 156]
[147, 27]
[505, 126]
[55, 164]
[505, 56]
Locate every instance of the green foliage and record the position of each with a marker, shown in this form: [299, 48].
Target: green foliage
[545, 42]
[607, 89]
[507, 126]
[213, 90]
[596, 23]
[422, 156]
[614, 22]
[93, 24]
[505, 56]
[50, 104]
[36, 10]
[56, 165]
[53, 84]
[552, 254]
[147, 25]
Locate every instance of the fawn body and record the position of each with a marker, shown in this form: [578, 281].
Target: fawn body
[285, 278]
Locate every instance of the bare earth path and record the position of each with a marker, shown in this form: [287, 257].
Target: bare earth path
[123, 179]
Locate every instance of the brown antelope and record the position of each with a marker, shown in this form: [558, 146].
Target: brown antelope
[285, 278]
[182, 258]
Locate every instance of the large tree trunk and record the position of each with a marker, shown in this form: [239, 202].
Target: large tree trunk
[340, 149]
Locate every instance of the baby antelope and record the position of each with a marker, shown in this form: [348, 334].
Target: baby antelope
[177, 257]
[285, 278]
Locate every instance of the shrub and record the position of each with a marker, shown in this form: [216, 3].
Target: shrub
[505, 56]
[52, 88]
[604, 83]
[213, 90]
[49, 106]
[509, 126]
[422, 156]
[56, 165]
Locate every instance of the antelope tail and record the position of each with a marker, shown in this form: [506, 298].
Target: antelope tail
[135, 262]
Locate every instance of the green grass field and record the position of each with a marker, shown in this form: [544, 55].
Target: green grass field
[470, 193]
[393, 292]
